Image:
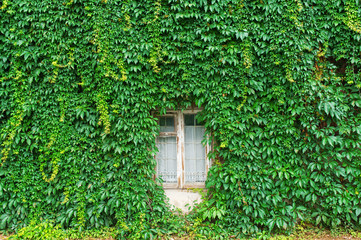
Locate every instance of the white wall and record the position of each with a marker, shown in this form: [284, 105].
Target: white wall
[180, 198]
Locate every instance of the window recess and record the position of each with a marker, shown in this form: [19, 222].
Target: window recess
[182, 158]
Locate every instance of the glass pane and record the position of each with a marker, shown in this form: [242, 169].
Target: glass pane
[189, 119]
[167, 159]
[198, 133]
[166, 124]
[195, 152]
[166, 129]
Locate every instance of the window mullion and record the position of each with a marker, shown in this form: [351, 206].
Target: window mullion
[180, 146]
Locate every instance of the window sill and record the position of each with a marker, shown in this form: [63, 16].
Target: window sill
[185, 186]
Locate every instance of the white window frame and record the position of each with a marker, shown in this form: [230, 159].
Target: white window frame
[179, 133]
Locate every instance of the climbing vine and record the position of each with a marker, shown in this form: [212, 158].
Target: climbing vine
[18, 115]
[102, 107]
[353, 19]
[4, 4]
[278, 83]
[154, 26]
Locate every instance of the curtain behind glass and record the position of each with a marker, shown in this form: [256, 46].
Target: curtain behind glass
[167, 159]
[195, 152]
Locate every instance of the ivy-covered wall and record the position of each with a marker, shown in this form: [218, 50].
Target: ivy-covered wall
[279, 82]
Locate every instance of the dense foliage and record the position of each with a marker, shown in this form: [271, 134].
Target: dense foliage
[278, 80]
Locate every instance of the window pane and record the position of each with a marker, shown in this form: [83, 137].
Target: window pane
[189, 119]
[167, 159]
[166, 124]
[195, 153]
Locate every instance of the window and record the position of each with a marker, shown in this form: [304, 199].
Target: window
[182, 159]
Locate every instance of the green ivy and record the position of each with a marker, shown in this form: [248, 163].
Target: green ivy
[279, 83]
